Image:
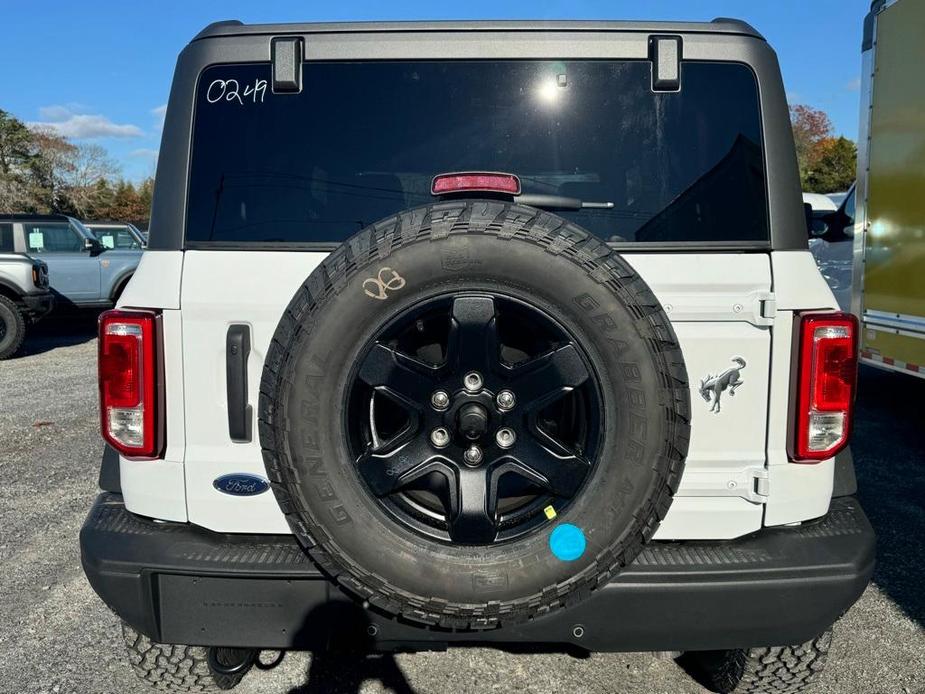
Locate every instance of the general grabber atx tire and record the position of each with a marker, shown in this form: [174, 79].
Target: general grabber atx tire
[771, 670]
[473, 413]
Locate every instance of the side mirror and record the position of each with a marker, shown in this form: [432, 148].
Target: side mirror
[93, 246]
[818, 228]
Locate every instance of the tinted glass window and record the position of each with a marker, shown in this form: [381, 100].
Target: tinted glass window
[52, 237]
[115, 237]
[6, 238]
[363, 141]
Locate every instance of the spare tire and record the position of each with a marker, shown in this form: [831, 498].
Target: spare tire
[473, 413]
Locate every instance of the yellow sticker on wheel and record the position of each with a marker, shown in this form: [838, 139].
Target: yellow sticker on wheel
[550, 512]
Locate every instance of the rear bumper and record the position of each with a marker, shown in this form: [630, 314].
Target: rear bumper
[180, 584]
[37, 305]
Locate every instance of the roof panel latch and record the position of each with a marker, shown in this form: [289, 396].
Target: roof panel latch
[665, 54]
[286, 56]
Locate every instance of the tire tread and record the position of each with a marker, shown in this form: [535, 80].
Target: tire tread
[768, 670]
[173, 668]
[18, 327]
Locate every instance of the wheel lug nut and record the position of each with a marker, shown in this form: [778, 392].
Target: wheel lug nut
[505, 400]
[440, 437]
[505, 437]
[473, 381]
[440, 400]
[473, 455]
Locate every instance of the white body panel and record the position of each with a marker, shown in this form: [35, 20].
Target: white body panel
[798, 492]
[156, 282]
[714, 302]
[220, 288]
[721, 305]
[158, 488]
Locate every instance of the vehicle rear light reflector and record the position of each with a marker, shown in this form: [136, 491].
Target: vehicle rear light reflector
[826, 378]
[475, 181]
[128, 382]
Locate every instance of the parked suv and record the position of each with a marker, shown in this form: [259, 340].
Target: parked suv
[84, 272]
[499, 333]
[24, 293]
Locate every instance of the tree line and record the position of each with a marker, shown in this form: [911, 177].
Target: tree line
[828, 164]
[42, 172]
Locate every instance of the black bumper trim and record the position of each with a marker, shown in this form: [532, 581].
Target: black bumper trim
[181, 584]
[110, 479]
[37, 305]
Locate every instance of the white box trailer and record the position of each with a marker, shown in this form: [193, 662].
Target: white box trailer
[889, 241]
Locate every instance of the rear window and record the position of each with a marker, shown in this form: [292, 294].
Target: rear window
[363, 140]
[6, 238]
[52, 237]
[115, 237]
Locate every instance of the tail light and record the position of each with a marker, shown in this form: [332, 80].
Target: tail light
[475, 181]
[128, 375]
[826, 377]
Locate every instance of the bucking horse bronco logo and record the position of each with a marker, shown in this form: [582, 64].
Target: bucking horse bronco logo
[715, 385]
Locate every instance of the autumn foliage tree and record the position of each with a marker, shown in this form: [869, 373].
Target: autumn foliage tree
[42, 172]
[827, 164]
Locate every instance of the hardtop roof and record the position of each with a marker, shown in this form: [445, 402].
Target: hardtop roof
[720, 25]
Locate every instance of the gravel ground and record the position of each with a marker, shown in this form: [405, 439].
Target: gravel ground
[56, 636]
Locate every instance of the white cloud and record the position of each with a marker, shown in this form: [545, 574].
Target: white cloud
[159, 114]
[144, 153]
[854, 85]
[67, 121]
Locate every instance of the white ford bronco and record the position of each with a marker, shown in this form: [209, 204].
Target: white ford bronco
[478, 332]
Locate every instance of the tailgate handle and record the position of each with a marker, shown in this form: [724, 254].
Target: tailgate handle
[237, 349]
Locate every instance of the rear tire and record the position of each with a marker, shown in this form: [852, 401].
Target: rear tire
[12, 328]
[769, 670]
[172, 668]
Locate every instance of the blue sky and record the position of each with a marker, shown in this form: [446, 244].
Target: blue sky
[100, 70]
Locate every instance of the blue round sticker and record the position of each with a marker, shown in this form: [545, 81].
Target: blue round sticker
[567, 542]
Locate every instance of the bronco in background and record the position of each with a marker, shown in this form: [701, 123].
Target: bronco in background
[83, 272]
[24, 293]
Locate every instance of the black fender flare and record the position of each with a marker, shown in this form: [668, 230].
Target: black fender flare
[119, 284]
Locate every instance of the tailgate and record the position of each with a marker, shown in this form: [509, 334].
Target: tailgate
[718, 303]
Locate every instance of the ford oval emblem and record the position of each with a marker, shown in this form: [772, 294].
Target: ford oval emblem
[241, 484]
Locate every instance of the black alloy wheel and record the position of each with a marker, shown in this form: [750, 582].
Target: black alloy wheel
[470, 414]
